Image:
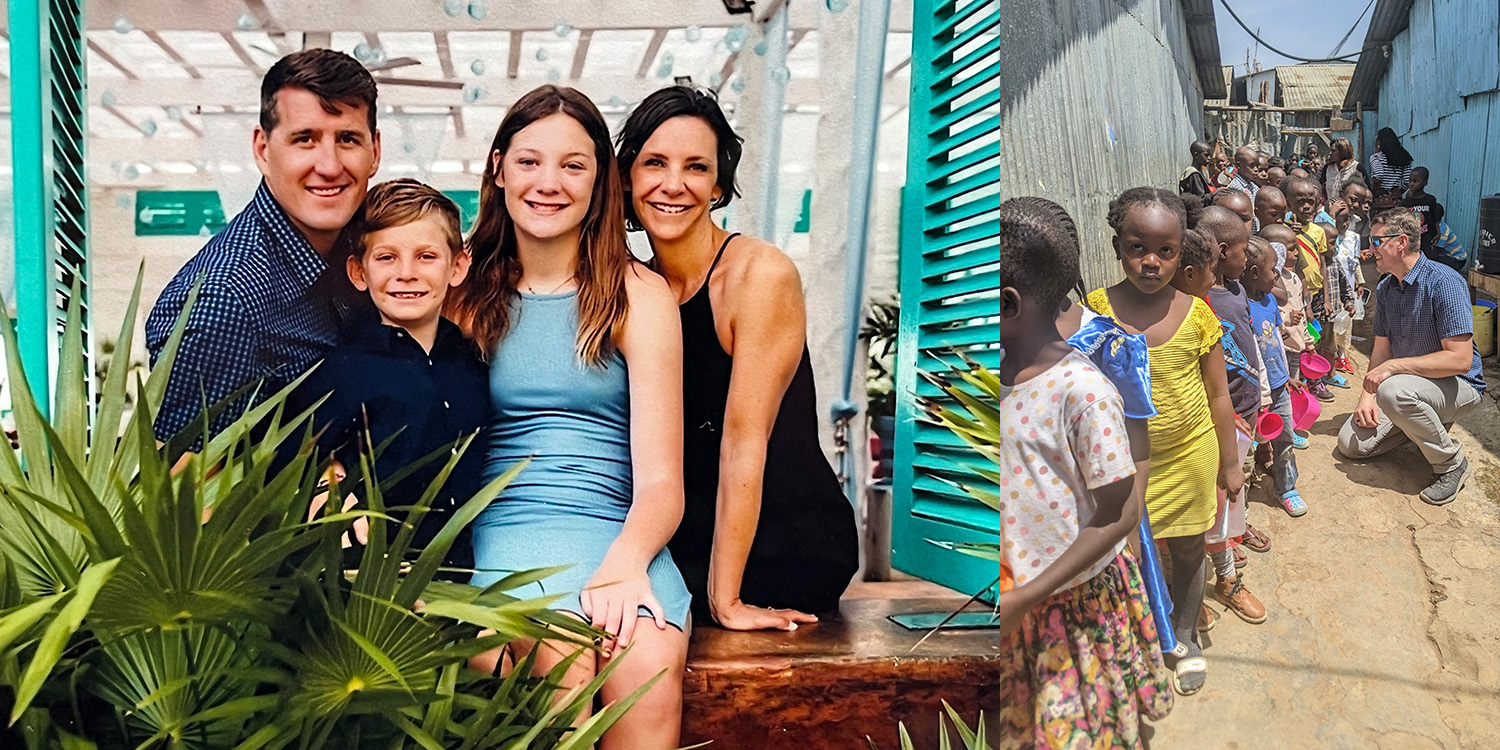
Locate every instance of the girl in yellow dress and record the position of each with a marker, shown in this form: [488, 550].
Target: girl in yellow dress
[1192, 436]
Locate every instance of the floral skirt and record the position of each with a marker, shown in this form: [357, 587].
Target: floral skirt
[1084, 667]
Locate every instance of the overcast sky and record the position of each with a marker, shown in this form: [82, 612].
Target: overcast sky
[1305, 29]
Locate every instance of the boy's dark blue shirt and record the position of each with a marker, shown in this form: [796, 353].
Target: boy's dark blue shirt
[434, 399]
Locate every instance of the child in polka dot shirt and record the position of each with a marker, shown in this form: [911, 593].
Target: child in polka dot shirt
[1066, 504]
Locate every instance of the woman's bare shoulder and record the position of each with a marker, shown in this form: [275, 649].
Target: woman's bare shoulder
[755, 267]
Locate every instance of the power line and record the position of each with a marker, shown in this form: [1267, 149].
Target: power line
[1352, 28]
[1288, 55]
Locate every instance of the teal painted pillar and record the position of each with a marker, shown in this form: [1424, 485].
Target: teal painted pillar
[48, 101]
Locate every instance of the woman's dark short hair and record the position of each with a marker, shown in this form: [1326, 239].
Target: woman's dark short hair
[663, 105]
[330, 75]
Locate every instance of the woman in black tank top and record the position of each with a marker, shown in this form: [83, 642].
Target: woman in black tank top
[767, 537]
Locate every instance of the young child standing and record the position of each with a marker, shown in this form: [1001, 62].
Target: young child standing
[1294, 337]
[1346, 261]
[1064, 531]
[412, 378]
[1312, 248]
[1429, 211]
[1260, 278]
[1245, 379]
[1192, 435]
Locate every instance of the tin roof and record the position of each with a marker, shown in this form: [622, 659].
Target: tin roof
[1228, 71]
[1320, 86]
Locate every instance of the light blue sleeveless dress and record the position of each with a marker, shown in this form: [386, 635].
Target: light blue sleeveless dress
[569, 504]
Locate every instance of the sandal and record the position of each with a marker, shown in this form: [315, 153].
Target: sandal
[1256, 539]
[1186, 666]
[1240, 558]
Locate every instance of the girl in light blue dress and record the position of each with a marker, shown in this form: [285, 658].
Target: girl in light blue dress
[585, 355]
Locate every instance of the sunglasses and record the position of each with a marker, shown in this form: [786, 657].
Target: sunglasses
[1376, 239]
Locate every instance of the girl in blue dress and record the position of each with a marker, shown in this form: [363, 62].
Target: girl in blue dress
[585, 360]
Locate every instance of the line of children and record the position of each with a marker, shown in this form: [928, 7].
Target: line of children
[1073, 446]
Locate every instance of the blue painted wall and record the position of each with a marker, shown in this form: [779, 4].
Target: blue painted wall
[1441, 94]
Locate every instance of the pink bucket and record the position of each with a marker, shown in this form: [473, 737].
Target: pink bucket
[1314, 366]
[1305, 409]
[1269, 426]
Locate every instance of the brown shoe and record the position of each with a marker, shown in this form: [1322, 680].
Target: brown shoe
[1231, 593]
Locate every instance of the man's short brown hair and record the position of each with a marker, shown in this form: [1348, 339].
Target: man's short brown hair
[332, 76]
[400, 202]
[1401, 221]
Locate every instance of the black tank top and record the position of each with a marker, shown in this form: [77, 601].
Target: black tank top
[806, 547]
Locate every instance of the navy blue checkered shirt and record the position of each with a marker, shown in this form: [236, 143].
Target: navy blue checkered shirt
[269, 307]
[1418, 311]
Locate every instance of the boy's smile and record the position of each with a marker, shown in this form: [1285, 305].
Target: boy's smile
[408, 269]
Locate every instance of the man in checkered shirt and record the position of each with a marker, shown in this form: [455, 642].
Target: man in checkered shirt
[274, 295]
[1424, 372]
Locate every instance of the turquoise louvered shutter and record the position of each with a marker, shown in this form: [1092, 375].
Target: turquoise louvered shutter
[48, 104]
[950, 278]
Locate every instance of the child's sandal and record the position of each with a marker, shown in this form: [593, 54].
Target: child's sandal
[1256, 539]
[1187, 666]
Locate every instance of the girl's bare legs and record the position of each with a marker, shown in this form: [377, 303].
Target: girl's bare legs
[655, 722]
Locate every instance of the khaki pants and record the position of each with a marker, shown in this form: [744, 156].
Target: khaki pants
[1417, 409]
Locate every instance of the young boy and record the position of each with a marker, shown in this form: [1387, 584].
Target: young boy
[1312, 247]
[1261, 274]
[413, 375]
[1195, 178]
[1346, 260]
[1246, 376]
[1429, 211]
[1270, 207]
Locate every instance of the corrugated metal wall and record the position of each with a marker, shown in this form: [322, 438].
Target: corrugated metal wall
[1238, 127]
[1441, 94]
[1097, 96]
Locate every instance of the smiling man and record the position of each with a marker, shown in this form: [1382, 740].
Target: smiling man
[274, 293]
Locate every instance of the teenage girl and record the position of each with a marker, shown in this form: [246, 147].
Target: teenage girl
[586, 381]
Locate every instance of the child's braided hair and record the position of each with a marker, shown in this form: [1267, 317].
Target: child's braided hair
[1120, 207]
[1037, 252]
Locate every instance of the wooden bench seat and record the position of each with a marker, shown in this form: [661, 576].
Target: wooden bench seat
[849, 677]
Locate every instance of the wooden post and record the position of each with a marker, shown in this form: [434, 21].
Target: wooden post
[876, 533]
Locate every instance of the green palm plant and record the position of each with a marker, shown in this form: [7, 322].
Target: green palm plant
[973, 739]
[200, 609]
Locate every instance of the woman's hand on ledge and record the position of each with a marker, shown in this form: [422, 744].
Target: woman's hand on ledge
[738, 615]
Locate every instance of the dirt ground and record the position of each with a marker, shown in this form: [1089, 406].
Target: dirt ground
[1384, 612]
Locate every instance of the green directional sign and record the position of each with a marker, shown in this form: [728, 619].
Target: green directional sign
[177, 212]
[468, 206]
[188, 212]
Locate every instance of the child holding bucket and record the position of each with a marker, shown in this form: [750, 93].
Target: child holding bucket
[1192, 435]
[1080, 664]
[1261, 273]
[1294, 337]
[1245, 379]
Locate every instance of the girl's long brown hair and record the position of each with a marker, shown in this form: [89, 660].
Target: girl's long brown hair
[483, 303]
